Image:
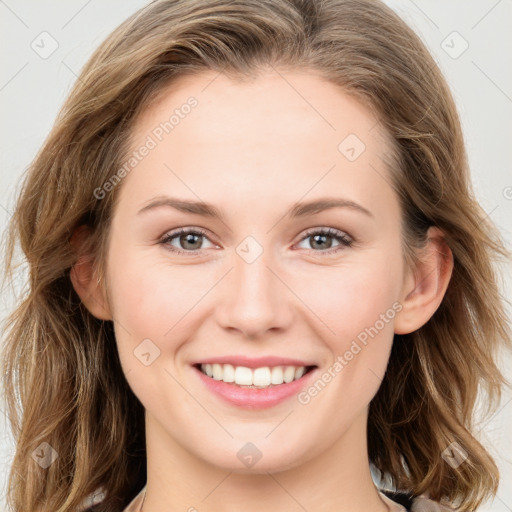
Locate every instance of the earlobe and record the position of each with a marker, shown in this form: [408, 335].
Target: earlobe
[82, 277]
[426, 284]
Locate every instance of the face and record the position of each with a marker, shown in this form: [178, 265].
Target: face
[265, 281]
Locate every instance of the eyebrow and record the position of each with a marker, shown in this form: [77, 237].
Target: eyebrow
[296, 211]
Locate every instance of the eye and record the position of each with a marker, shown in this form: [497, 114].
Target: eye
[322, 240]
[189, 239]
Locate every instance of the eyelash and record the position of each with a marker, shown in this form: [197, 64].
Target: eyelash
[344, 240]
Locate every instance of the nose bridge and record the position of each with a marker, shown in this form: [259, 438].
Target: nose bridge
[255, 299]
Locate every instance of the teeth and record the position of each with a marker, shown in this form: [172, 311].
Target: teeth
[257, 377]
[277, 375]
[261, 377]
[243, 376]
[228, 373]
[289, 374]
[217, 372]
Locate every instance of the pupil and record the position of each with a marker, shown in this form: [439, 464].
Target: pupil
[188, 238]
[316, 237]
[185, 239]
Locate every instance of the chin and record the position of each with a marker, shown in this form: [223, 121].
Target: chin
[250, 460]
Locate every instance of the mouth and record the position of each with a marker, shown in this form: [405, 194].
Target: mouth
[263, 377]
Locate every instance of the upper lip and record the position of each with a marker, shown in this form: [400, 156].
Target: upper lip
[255, 362]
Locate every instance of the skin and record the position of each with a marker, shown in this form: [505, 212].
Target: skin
[270, 146]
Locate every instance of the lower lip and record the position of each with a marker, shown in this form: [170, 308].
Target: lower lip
[254, 398]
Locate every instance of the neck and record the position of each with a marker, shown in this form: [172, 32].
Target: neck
[336, 479]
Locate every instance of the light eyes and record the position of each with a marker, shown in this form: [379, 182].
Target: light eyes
[188, 241]
[319, 237]
[184, 236]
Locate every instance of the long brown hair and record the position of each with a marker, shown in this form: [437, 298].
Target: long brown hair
[63, 381]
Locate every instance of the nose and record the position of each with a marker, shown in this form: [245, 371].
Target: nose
[255, 299]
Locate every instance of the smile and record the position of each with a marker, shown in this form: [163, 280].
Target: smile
[263, 377]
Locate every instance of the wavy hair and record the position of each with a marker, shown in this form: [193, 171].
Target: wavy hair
[62, 377]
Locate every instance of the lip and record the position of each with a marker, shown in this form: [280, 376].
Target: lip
[254, 362]
[254, 398]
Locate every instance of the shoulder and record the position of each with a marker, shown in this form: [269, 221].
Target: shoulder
[133, 506]
[418, 503]
[423, 504]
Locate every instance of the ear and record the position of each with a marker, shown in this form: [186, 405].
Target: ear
[83, 279]
[425, 285]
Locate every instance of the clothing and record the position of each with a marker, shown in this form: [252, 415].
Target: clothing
[135, 504]
[408, 504]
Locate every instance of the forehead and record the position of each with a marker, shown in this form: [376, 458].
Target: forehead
[291, 104]
[278, 132]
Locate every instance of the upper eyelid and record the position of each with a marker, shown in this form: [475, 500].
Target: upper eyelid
[329, 231]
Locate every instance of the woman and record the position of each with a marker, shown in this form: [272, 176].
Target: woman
[338, 308]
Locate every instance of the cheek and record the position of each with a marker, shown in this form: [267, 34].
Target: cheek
[161, 302]
[155, 300]
[149, 299]
[154, 305]
[354, 297]
[358, 305]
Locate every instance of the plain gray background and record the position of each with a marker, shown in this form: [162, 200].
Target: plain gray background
[470, 40]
